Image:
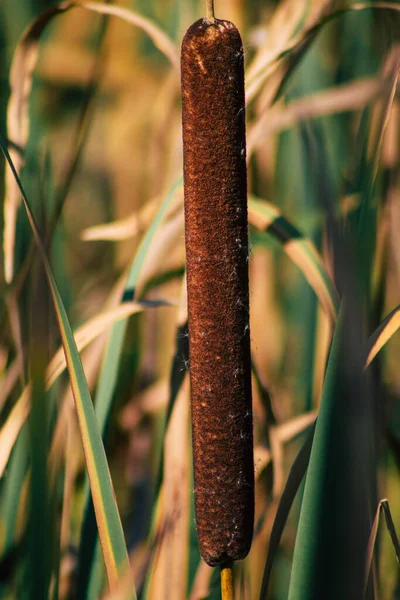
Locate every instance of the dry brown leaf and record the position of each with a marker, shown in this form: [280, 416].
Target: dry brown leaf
[283, 32]
[8, 381]
[280, 435]
[201, 584]
[166, 250]
[131, 225]
[345, 97]
[170, 570]
[87, 333]
[11, 428]
[289, 430]
[304, 254]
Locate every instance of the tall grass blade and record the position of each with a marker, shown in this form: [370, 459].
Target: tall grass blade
[284, 32]
[383, 506]
[295, 477]
[382, 335]
[15, 478]
[178, 373]
[391, 529]
[291, 55]
[108, 378]
[107, 516]
[40, 509]
[264, 395]
[8, 381]
[385, 117]
[331, 542]
[296, 51]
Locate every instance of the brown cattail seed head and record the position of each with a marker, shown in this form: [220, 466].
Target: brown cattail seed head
[218, 295]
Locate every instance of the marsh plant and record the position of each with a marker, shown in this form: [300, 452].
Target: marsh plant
[230, 285]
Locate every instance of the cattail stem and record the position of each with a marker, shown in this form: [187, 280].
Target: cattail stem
[210, 16]
[227, 581]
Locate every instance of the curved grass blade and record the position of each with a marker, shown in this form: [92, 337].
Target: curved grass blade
[128, 227]
[264, 395]
[383, 506]
[391, 528]
[295, 477]
[107, 516]
[382, 335]
[123, 229]
[266, 217]
[12, 427]
[11, 500]
[285, 27]
[158, 37]
[385, 118]
[344, 97]
[295, 53]
[160, 249]
[8, 381]
[85, 334]
[21, 73]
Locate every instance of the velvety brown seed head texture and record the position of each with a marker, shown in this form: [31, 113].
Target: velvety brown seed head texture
[218, 295]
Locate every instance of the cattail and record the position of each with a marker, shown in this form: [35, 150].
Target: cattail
[217, 281]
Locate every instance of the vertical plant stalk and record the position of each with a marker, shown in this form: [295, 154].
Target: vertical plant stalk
[210, 16]
[40, 525]
[216, 235]
[227, 582]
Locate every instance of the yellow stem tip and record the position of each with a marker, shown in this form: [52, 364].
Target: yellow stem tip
[227, 581]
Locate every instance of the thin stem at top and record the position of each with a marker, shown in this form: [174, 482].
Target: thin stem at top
[227, 581]
[210, 16]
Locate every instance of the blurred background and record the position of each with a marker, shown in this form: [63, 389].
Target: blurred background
[95, 132]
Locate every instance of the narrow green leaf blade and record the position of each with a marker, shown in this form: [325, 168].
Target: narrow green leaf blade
[110, 364]
[289, 493]
[107, 516]
[334, 526]
[383, 333]
[107, 382]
